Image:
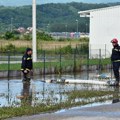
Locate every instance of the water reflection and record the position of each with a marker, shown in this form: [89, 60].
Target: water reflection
[26, 95]
[8, 96]
[116, 95]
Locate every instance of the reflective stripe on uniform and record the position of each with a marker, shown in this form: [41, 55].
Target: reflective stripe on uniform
[27, 69]
[118, 50]
[116, 61]
[29, 58]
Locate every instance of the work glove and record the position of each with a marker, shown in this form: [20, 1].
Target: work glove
[25, 71]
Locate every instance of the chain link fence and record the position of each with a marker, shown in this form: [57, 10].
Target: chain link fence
[58, 61]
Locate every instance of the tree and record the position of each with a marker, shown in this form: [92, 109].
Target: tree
[8, 35]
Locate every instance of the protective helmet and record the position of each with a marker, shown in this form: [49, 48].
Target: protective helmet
[114, 40]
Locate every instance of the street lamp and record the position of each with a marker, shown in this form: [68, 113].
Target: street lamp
[77, 27]
[48, 27]
[86, 28]
[11, 25]
[66, 29]
[34, 31]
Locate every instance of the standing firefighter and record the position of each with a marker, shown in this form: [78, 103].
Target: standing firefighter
[27, 64]
[115, 58]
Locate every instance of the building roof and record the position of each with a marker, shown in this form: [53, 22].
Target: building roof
[87, 12]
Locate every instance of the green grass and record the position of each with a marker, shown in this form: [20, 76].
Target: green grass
[64, 63]
[85, 94]
[97, 61]
[8, 112]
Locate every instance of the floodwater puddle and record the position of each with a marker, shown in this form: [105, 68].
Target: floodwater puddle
[15, 92]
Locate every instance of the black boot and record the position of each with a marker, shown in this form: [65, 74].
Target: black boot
[116, 83]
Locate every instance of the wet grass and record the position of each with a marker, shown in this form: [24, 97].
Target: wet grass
[85, 94]
[8, 112]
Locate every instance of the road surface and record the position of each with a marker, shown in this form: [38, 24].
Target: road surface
[103, 112]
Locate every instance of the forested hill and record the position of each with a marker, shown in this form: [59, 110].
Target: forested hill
[51, 17]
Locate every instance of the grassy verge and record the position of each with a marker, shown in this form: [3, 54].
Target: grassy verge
[96, 61]
[56, 64]
[8, 112]
[84, 94]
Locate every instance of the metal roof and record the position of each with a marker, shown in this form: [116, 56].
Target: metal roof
[87, 12]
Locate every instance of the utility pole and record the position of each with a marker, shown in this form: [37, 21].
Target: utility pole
[77, 26]
[34, 31]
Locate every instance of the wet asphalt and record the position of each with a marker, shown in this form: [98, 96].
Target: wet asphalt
[103, 112]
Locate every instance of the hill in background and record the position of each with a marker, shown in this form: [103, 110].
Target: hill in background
[29, 2]
[50, 17]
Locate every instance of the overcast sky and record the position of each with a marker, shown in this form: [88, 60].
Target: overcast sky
[28, 2]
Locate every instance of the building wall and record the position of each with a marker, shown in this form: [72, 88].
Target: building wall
[104, 26]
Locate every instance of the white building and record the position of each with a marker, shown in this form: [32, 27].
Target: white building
[104, 26]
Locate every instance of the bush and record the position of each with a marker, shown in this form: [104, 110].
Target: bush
[13, 49]
[16, 37]
[82, 48]
[8, 35]
[27, 37]
[10, 47]
[84, 39]
[67, 49]
[61, 39]
[44, 36]
[64, 39]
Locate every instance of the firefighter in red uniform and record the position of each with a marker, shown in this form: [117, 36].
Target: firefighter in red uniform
[115, 58]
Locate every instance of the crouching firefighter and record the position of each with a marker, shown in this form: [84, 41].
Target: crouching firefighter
[27, 64]
[115, 58]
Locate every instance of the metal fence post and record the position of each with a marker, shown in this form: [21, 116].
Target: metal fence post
[88, 65]
[44, 57]
[74, 70]
[60, 71]
[105, 50]
[90, 51]
[44, 65]
[8, 76]
[111, 71]
[8, 64]
[100, 61]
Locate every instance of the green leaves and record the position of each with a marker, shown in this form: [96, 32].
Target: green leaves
[9, 35]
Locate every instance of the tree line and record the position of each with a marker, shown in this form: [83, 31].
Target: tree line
[50, 17]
